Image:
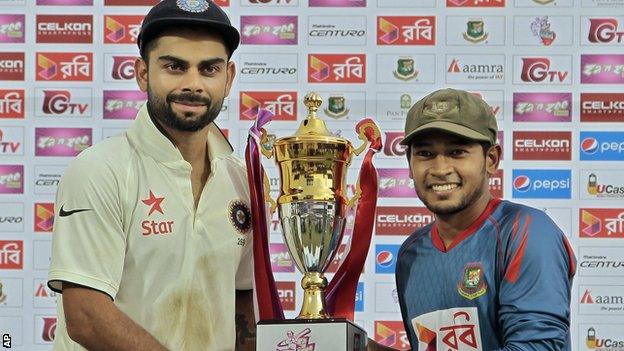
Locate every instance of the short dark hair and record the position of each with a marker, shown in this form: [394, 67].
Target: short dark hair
[150, 42]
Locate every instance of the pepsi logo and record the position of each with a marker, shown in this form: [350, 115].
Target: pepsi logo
[589, 145]
[385, 258]
[522, 183]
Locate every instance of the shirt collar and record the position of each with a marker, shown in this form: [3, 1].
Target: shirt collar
[146, 137]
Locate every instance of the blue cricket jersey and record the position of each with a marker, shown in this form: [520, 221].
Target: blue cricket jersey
[503, 284]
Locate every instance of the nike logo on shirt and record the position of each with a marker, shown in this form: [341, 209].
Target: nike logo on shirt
[64, 213]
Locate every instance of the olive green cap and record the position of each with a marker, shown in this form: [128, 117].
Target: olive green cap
[455, 111]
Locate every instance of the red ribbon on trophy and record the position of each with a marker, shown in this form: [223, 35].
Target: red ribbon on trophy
[342, 288]
[267, 299]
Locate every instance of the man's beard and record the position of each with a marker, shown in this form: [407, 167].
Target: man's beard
[162, 111]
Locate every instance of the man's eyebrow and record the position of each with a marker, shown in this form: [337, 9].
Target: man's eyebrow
[174, 59]
[212, 61]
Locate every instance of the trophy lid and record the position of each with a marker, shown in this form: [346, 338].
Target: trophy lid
[313, 128]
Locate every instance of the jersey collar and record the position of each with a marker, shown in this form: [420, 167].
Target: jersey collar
[438, 243]
[146, 137]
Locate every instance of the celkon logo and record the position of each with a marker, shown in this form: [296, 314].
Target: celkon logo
[121, 29]
[496, 183]
[59, 102]
[123, 67]
[537, 70]
[542, 145]
[286, 292]
[11, 66]
[542, 184]
[392, 146]
[602, 107]
[65, 29]
[606, 146]
[604, 30]
[401, 220]
[11, 254]
[283, 104]
[11, 103]
[601, 223]
[62, 66]
[406, 30]
[336, 68]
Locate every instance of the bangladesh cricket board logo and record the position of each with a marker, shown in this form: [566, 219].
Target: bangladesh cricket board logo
[405, 69]
[475, 31]
[337, 107]
[472, 284]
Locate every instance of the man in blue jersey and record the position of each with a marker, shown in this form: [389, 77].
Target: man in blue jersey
[487, 274]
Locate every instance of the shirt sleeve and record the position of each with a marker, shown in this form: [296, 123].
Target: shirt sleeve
[534, 294]
[88, 246]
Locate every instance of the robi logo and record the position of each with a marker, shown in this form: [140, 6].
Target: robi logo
[522, 183]
[589, 145]
[537, 69]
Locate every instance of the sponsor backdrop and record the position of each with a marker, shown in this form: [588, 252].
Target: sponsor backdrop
[554, 81]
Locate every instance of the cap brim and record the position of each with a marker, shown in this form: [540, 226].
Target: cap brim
[229, 33]
[447, 127]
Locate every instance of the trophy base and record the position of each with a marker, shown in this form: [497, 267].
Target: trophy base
[334, 334]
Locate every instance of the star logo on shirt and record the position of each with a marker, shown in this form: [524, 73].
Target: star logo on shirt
[155, 202]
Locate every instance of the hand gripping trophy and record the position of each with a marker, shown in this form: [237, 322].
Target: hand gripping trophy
[312, 208]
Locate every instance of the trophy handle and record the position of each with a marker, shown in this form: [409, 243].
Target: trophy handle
[358, 193]
[368, 126]
[266, 143]
[267, 192]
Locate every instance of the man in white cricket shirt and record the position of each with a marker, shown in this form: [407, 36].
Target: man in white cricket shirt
[152, 244]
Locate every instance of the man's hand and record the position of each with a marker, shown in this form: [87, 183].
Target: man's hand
[94, 322]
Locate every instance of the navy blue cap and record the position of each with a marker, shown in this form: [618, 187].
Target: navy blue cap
[198, 13]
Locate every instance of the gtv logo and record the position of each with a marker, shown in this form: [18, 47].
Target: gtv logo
[602, 146]
[542, 184]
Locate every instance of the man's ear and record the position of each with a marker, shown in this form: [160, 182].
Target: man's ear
[140, 70]
[231, 73]
[492, 158]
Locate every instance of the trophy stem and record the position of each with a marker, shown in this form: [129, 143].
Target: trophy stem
[314, 284]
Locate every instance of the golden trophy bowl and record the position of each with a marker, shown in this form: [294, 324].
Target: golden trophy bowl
[312, 204]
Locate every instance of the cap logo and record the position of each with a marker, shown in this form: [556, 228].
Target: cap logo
[195, 6]
[440, 107]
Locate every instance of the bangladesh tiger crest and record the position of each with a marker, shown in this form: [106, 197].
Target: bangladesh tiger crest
[472, 284]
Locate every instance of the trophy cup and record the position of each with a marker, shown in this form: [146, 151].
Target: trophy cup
[312, 208]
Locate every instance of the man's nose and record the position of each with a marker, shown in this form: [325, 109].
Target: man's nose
[441, 166]
[192, 81]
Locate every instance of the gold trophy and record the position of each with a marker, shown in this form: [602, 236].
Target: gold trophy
[312, 208]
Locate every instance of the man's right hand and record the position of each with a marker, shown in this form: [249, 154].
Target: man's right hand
[94, 322]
